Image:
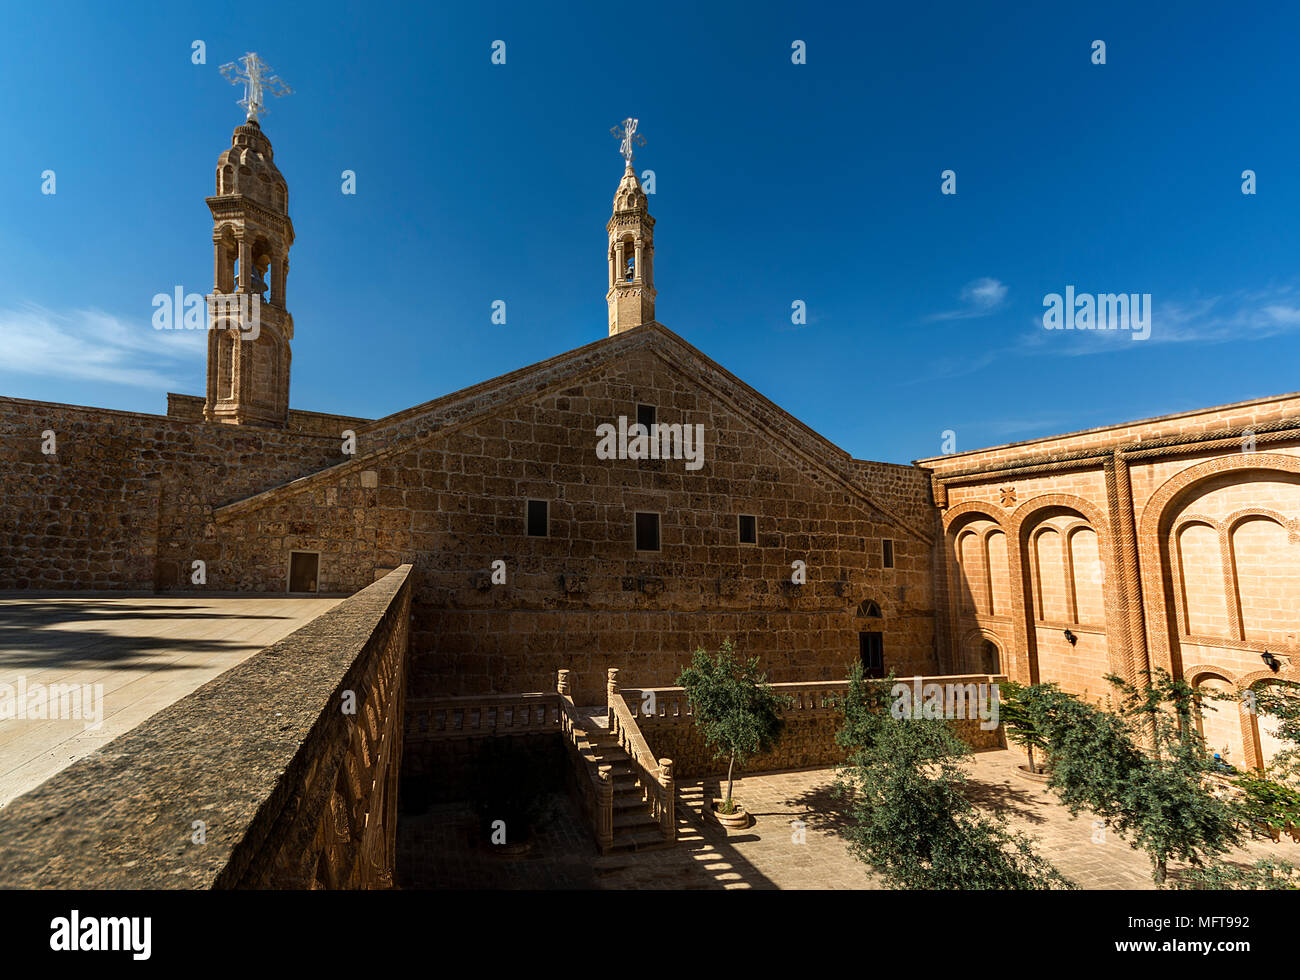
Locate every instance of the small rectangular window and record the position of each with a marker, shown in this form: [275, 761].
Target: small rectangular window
[303, 569]
[748, 529]
[645, 415]
[887, 553]
[647, 532]
[537, 523]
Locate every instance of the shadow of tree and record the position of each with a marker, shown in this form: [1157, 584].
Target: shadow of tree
[34, 633]
[1004, 799]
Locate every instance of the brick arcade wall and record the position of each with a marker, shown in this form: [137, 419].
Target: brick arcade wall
[584, 598]
[1188, 562]
[126, 503]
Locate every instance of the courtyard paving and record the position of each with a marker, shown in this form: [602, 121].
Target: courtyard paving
[145, 651]
[442, 847]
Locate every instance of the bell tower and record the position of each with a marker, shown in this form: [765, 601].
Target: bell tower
[631, 295]
[250, 330]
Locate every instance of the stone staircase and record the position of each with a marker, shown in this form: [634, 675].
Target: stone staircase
[635, 826]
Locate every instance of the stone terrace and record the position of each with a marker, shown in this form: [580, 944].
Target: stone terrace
[438, 849]
[146, 651]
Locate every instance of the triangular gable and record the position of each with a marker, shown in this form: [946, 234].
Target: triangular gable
[414, 427]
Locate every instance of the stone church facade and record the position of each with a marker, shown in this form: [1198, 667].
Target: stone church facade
[1173, 542]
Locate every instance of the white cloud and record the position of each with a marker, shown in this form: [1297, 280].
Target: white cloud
[90, 345]
[1241, 317]
[980, 298]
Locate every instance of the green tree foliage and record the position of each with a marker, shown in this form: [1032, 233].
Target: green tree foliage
[1017, 722]
[1269, 803]
[1142, 770]
[1281, 700]
[910, 821]
[735, 708]
[1268, 874]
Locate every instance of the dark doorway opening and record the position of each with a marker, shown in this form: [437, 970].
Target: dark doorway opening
[303, 567]
[871, 651]
[989, 659]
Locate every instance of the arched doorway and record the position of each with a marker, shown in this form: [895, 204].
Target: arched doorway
[871, 638]
[1219, 720]
[990, 658]
[1265, 728]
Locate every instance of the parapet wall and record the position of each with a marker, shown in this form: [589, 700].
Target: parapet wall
[125, 500]
[808, 740]
[262, 778]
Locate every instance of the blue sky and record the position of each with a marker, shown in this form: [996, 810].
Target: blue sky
[775, 183]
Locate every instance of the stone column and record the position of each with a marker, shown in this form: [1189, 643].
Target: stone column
[640, 269]
[1134, 660]
[620, 261]
[611, 691]
[668, 816]
[245, 266]
[605, 810]
[562, 681]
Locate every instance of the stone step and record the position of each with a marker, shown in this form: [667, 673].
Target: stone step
[607, 759]
[646, 840]
[619, 765]
[635, 820]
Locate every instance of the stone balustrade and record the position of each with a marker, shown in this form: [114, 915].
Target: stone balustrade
[812, 718]
[475, 716]
[595, 790]
[655, 775]
[280, 773]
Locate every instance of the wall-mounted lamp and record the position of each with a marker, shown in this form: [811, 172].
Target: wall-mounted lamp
[1272, 661]
[1071, 637]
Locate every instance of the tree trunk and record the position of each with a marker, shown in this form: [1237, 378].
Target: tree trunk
[1031, 759]
[1161, 867]
[730, 767]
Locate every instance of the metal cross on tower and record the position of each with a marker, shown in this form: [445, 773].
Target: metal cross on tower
[257, 80]
[628, 137]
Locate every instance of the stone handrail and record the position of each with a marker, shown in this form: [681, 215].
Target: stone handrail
[655, 775]
[670, 704]
[478, 715]
[280, 773]
[596, 790]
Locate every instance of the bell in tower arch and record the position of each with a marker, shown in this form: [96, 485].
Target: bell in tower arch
[259, 270]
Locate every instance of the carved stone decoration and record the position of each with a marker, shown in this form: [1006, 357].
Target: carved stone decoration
[1008, 496]
[571, 584]
[651, 586]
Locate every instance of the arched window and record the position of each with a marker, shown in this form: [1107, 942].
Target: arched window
[869, 609]
[628, 272]
[990, 659]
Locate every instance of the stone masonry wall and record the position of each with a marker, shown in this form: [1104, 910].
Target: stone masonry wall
[583, 598]
[126, 502]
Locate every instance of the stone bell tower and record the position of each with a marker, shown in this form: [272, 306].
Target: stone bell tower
[250, 330]
[631, 295]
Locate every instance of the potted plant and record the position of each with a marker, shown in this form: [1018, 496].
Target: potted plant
[737, 713]
[1013, 712]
